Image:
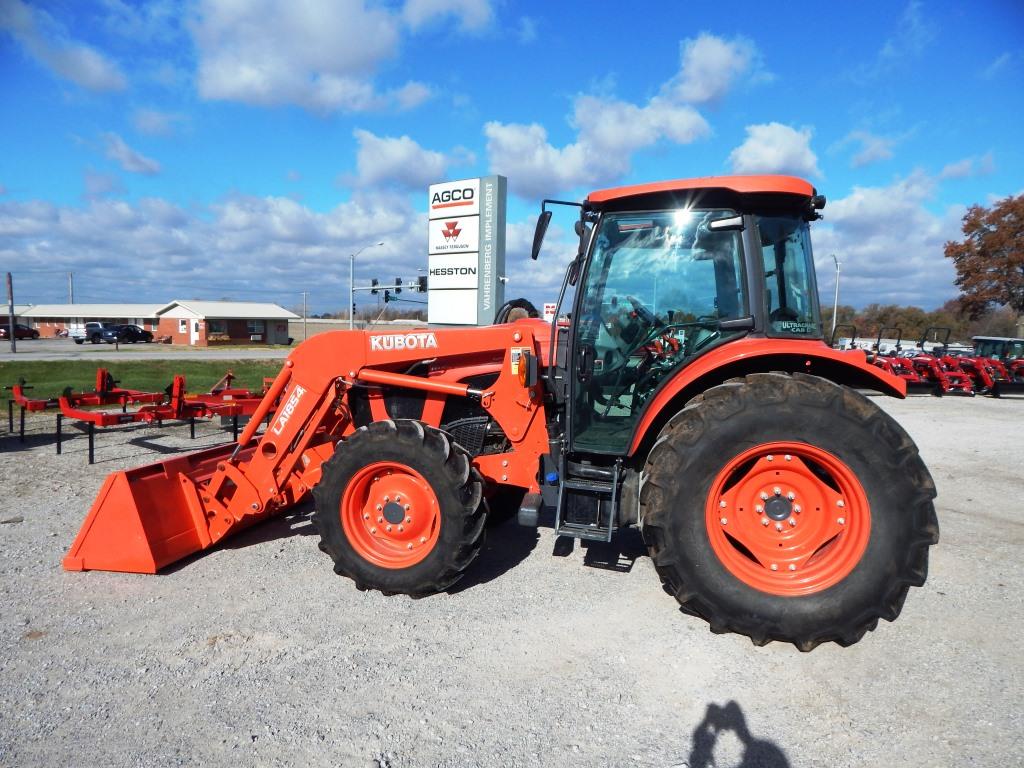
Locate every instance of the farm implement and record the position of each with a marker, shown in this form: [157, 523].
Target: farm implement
[690, 395]
[172, 404]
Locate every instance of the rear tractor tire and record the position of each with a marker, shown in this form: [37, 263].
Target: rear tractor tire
[400, 509]
[788, 508]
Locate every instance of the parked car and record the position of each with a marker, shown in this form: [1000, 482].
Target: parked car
[92, 332]
[20, 332]
[125, 334]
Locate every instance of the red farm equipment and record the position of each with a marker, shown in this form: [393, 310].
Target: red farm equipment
[691, 395]
[938, 368]
[990, 374]
[895, 363]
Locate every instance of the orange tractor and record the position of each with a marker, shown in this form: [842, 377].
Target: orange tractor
[689, 394]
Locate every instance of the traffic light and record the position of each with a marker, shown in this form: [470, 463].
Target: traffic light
[374, 283]
[353, 309]
[387, 295]
[398, 285]
[421, 283]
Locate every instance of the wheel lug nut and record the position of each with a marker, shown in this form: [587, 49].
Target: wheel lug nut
[778, 526]
[792, 521]
[777, 491]
[387, 499]
[841, 520]
[373, 530]
[366, 516]
[388, 529]
[791, 496]
[764, 521]
[380, 519]
[769, 457]
[758, 508]
[398, 498]
[788, 457]
[764, 496]
[401, 528]
[796, 508]
[840, 503]
[408, 520]
[380, 507]
[724, 520]
[722, 504]
[792, 567]
[407, 507]
[409, 545]
[423, 539]
[775, 567]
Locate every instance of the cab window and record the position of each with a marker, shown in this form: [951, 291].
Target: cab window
[790, 290]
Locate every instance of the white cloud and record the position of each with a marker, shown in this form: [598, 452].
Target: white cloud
[776, 148]
[609, 132]
[473, 15]
[154, 250]
[710, 66]
[873, 148]
[400, 161]
[527, 31]
[320, 54]
[913, 34]
[890, 245]
[153, 122]
[48, 43]
[97, 185]
[982, 165]
[128, 158]
[998, 65]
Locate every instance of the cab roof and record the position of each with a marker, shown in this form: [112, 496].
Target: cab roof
[743, 185]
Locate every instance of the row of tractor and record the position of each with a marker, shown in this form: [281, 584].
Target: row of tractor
[934, 367]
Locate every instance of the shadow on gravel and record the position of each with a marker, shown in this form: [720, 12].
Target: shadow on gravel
[757, 753]
[507, 544]
[295, 522]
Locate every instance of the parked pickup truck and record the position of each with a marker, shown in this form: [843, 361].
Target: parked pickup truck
[91, 332]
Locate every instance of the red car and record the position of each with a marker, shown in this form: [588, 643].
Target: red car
[20, 332]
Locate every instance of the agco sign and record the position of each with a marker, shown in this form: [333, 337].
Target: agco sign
[451, 198]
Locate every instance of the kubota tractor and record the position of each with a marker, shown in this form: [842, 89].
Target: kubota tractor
[691, 394]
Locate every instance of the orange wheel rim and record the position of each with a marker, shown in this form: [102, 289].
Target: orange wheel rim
[390, 515]
[788, 519]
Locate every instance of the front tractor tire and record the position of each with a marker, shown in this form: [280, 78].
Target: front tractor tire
[400, 509]
[786, 507]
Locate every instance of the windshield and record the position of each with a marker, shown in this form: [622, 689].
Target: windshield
[790, 291]
[656, 288]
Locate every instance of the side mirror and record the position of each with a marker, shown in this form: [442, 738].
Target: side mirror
[538, 234]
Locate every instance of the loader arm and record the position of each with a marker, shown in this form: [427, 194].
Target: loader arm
[148, 517]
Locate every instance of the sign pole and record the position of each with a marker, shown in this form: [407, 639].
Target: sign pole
[10, 311]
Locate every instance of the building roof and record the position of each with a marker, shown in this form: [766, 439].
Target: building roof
[19, 309]
[229, 310]
[94, 310]
[740, 184]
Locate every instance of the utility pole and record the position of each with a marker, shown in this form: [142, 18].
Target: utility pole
[71, 287]
[835, 304]
[10, 312]
[304, 294]
[352, 283]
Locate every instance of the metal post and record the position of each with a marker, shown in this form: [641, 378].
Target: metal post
[71, 287]
[192, 427]
[21, 429]
[352, 283]
[10, 311]
[60, 420]
[92, 442]
[835, 304]
[304, 294]
[234, 428]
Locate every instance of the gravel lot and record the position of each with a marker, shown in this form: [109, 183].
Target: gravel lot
[257, 654]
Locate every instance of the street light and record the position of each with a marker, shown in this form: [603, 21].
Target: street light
[835, 304]
[352, 283]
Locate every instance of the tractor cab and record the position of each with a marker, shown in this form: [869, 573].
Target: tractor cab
[669, 272]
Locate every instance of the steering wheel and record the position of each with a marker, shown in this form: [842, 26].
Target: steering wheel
[644, 313]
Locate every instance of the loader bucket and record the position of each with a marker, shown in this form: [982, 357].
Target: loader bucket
[147, 517]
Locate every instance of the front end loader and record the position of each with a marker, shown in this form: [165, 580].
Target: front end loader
[690, 394]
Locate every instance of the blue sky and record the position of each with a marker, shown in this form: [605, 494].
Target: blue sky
[224, 148]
